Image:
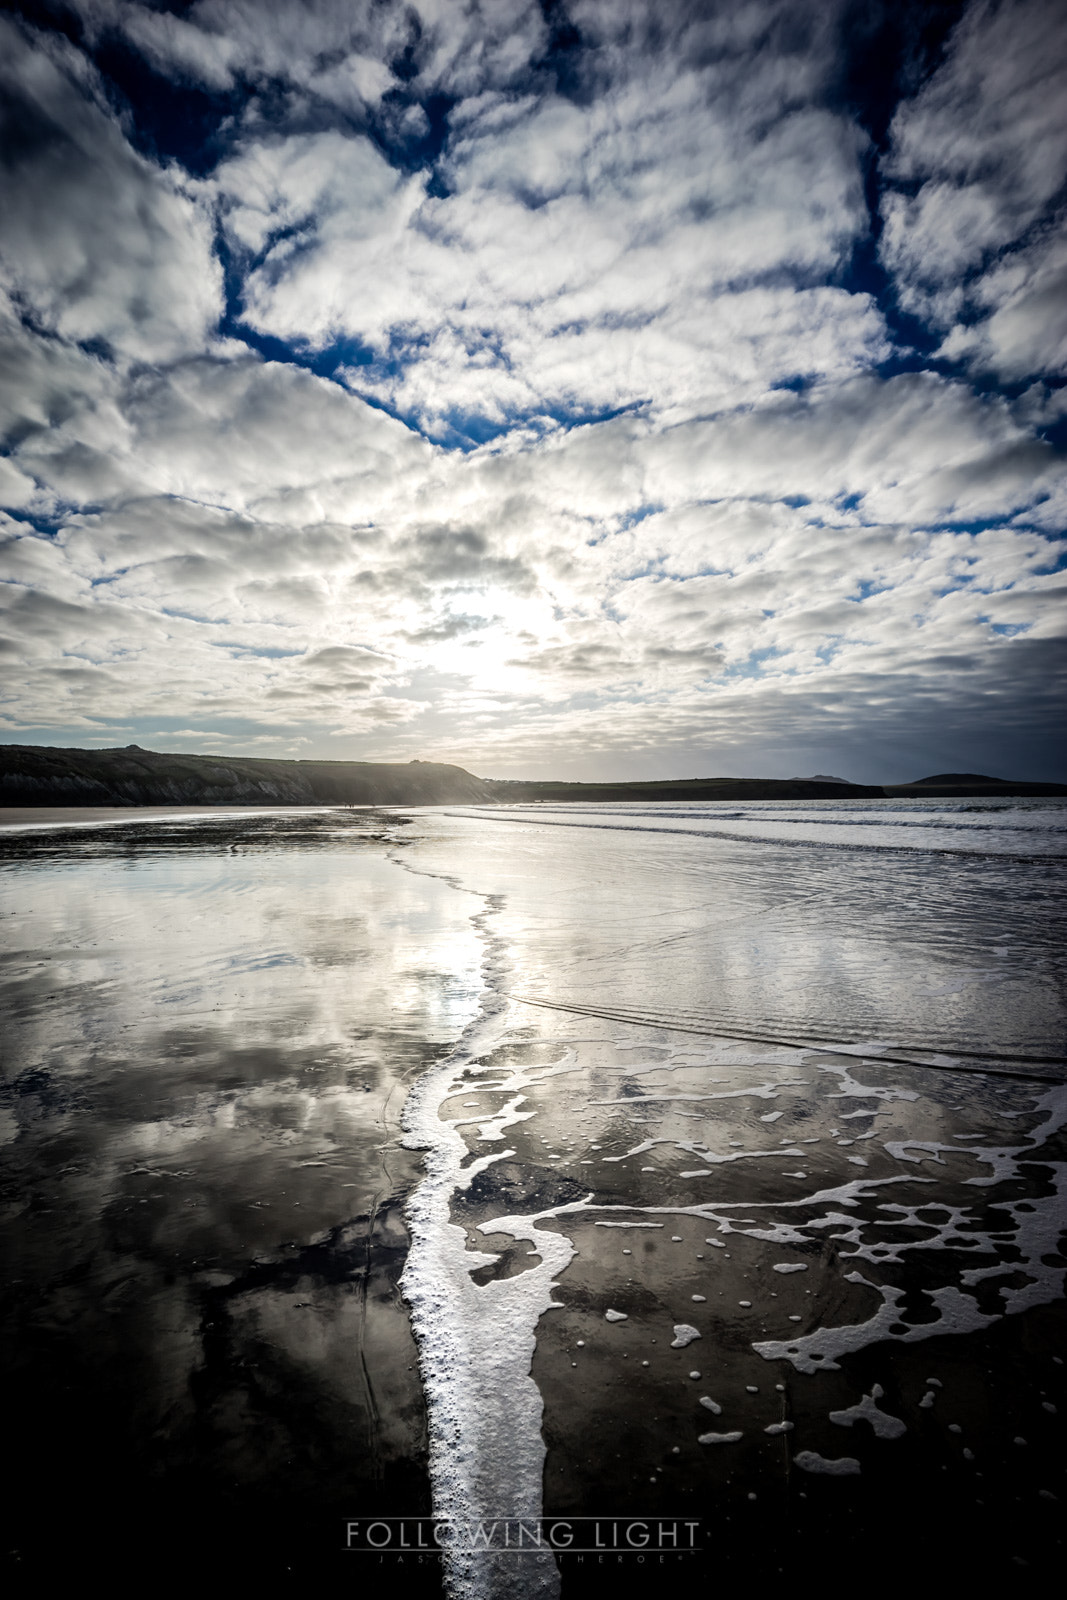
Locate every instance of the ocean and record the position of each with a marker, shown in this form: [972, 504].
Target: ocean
[525, 1200]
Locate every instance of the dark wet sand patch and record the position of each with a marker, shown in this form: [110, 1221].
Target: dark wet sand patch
[212, 1423]
[624, 1418]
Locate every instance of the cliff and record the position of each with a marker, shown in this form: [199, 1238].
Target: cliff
[32, 775]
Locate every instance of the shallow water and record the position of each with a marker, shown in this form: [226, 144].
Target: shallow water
[660, 1055]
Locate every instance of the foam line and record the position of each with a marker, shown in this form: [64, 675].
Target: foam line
[764, 839]
[476, 1341]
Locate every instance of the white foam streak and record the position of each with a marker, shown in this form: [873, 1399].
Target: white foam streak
[816, 1352]
[476, 1341]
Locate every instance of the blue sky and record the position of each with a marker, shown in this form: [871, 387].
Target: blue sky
[583, 389]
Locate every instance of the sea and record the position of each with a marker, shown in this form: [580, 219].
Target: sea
[529, 1200]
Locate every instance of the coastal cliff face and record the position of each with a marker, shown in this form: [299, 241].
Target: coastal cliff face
[32, 775]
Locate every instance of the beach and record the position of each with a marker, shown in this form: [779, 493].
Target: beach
[684, 1179]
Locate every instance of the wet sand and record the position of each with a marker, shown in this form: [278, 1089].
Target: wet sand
[951, 1440]
[210, 1266]
[208, 1358]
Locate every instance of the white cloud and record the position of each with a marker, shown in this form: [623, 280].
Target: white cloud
[331, 48]
[237, 433]
[771, 547]
[98, 243]
[586, 258]
[980, 153]
[1025, 331]
[505, 599]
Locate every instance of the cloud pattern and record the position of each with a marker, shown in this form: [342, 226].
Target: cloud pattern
[593, 387]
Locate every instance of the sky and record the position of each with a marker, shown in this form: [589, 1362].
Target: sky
[585, 389]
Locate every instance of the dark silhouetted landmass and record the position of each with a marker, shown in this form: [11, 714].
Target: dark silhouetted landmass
[38, 775]
[965, 785]
[686, 789]
[33, 775]
[956, 777]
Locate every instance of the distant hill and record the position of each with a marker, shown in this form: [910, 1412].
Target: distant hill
[686, 789]
[34, 775]
[964, 785]
[39, 775]
[956, 777]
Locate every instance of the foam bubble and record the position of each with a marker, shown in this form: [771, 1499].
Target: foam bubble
[684, 1333]
[830, 1467]
[866, 1410]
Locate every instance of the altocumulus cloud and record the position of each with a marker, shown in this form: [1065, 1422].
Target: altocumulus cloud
[594, 387]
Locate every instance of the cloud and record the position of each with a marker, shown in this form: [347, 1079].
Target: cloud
[979, 156]
[610, 460]
[1025, 330]
[342, 51]
[99, 244]
[727, 591]
[266, 438]
[588, 252]
[585, 257]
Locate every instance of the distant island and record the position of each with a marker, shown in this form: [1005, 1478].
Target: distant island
[38, 775]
